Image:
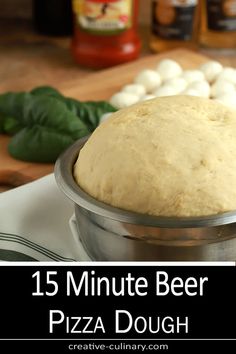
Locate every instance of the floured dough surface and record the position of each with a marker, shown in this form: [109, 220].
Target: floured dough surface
[170, 156]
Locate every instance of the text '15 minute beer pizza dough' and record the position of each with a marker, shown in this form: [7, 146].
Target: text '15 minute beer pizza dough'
[170, 156]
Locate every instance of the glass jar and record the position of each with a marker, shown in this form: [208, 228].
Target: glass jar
[105, 32]
[174, 24]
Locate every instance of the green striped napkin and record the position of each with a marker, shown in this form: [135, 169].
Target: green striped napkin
[34, 224]
[18, 248]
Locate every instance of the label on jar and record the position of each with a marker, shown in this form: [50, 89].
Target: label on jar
[221, 15]
[103, 17]
[173, 19]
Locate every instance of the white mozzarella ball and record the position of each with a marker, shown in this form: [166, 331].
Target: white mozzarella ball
[202, 87]
[147, 97]
[220, 87]
[105, 116]
[228, 99]
[136, 89]
[178, 83]
[123, 99]
[165, 90]
[228, 74]
[211, 69]
[191, 92]
[168, 69]
[193, 75]
[150, 79]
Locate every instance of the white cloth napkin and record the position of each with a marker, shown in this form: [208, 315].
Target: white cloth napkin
[34, 224]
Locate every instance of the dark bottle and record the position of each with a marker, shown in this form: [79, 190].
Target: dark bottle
[53, 17]
[218, 23]
[174, 24]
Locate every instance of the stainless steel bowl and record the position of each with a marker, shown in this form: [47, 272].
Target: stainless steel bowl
[109, 233]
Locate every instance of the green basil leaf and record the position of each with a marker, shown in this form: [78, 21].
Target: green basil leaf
[2, 118]
[45, 122]
[11, 126]
[38, 144]
[90, 112]
[12, 104]
[49, 128]
[49, 111]
[47, 91]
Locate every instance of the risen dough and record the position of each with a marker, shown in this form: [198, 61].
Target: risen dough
[170, 156]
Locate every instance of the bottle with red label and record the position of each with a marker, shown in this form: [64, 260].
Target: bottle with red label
[105, 32]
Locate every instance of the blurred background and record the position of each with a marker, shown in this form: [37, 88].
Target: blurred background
[22, 9]
[29, 58]
[44, 42]
[28, 51]
[41, 43]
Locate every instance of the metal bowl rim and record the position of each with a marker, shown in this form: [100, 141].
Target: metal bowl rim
[64, 177]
